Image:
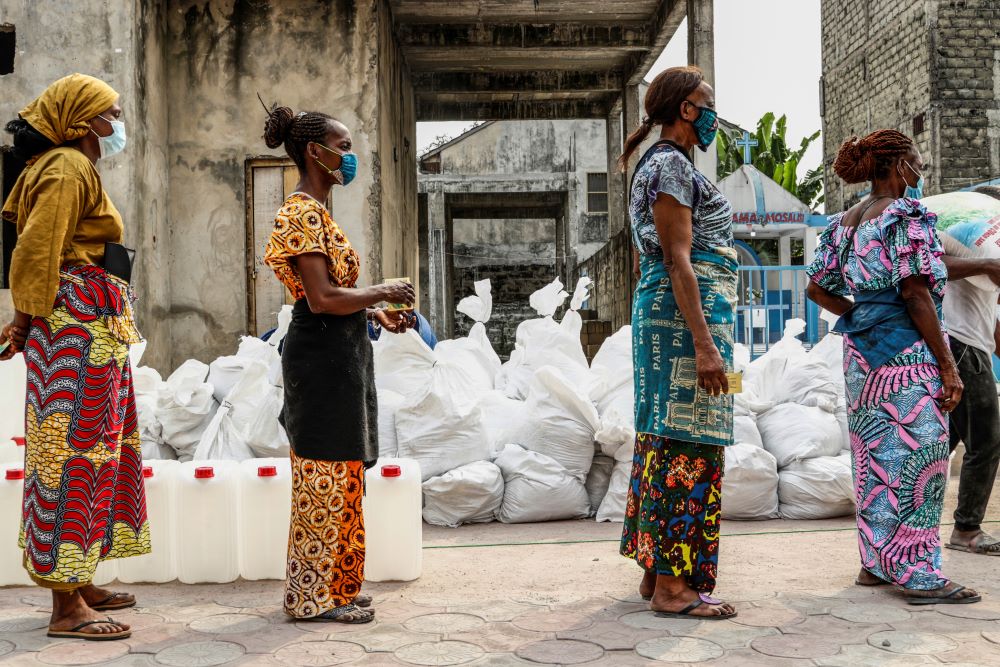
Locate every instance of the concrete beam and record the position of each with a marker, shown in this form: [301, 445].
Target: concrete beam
[433, 110]
[470, 83]
[505, 212]
[669, 15]
[523, 36]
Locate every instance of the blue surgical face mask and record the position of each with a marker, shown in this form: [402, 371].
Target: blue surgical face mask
[706, 125]
[914, 191]
[348, 166]
[114, 143]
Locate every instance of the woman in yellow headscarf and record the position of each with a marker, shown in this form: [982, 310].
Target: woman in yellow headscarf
[83, 488]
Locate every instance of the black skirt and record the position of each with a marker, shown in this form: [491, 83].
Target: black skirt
[331, 409]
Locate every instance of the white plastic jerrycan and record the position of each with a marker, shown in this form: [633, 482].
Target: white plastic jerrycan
[12, 451]
[206, 522]
[393, 522]
[13, 389]
[12, 572]
[160, 565]
[265, 511]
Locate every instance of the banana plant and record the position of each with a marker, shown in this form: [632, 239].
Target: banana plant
[772, 156]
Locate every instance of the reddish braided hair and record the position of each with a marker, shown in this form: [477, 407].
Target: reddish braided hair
[861, 160]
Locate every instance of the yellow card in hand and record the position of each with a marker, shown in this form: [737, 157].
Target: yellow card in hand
[396, 307]
[735, 382]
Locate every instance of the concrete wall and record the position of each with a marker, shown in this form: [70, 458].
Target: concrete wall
[479, 242]
[610, 269]
[889, 63]
[110, 41]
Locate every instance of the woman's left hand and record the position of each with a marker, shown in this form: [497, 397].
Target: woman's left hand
[17, 336]
[396, 322]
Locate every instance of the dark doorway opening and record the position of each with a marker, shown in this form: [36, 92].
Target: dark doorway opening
[8, 47]
[10, 168]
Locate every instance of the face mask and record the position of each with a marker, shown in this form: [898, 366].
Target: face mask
[114, 143]
[914, 191]
[706, 125]
[348, 166]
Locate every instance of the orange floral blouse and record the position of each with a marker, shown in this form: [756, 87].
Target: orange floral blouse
[303, 225]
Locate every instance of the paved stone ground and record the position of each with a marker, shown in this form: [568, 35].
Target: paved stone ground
[555, 594]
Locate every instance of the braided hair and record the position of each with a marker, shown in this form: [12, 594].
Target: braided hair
[28, 142]
[295, 131]
[870, 158]
[663, 105]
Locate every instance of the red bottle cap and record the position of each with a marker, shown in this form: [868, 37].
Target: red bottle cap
[15, 473]
[18, 441]
[207, 472]
[147, 471]
[391, 471]
[267, 471]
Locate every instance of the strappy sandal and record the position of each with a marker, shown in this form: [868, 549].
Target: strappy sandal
[76, 633]
[944, 599]
[109, 604]
[686, 613]
[981, 544]
[338, 614]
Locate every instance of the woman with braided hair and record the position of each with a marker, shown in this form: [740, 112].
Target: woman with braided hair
[900, 376]
[329, 381]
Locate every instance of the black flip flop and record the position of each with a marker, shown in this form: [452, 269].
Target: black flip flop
[945, 599]
[337, 615]
[107, 603]
[686, 613]
[91, 636]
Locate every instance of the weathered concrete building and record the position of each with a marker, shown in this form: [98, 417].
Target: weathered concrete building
[930, 69]
[198, 188]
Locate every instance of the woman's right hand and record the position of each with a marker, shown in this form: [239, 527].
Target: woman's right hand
[402, 293]
[952, 388]
[711, 370]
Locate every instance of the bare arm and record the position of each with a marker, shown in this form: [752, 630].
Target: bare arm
[920, 307]
[837, 305]
[636, 269]
[325, 297]
[959, 268]
[996, 336]
[674, 227]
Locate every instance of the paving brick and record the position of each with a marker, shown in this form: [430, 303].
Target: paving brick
[496, 610]
[795, 646]
[680, 649]
[912, 643]
[871, 613]
[224, 624]
[319, 653]
[500, 637]
[439, 653]
[560, 651]
[444, 623]
[869, 656]
[82, 653]
[772, 616]
[551, 621]
[200, 654]
[612, 635]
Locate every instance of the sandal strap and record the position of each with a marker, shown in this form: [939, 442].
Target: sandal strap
[337, 612]
[955, 592]
[89, 623]
[984, 544]
[691, 607]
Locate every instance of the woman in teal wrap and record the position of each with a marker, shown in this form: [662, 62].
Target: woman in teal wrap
[682, 341]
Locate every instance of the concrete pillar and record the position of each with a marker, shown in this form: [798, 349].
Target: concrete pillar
[701, 53]
[437, 230]
[785, 250]
[632, 113]
[616, 180]
[809, 243]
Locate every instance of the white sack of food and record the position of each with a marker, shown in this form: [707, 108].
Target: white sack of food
[259, 419]
[560, 422]
[468, 494]
[475, 355]
[967, 225]
[185, 407]
[537, 488]
[745, 431]
[135, 353]
[612, 368]
[248, 411]
[818, 488]
[599, 480]
[741, 357]
[811, 383]
[750, 484]
[793, 432]
[503, 418]
[403, 363]
[389, 403]
[147, 384]
[613, 506]
[830, 350]
[480, 306]
[264, 351]
[441, 432]
[548, 299]
[224, 372]
[617, 422]
[764, 376]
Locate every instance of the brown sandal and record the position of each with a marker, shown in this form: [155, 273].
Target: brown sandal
[76, 633]
[109, 604]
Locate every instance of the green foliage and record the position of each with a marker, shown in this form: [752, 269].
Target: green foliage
[773, 156]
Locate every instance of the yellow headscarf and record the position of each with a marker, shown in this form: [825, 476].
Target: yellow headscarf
[62, 112]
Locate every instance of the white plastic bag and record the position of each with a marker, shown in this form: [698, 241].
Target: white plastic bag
[612, 369]
[480, 306]
[468, 494]
[543, 342]
[745, 431]
[819, 488]
[185, 407]
[403, 363]
[750, 484]
[441, 433]
[222, 441]
[147, 385]
[475, 355]
[560, 422]
[265, 352]
[502, 419]
[793, 432]
[598, 481]
[613, 506]
[263, 431]
[225, 372]
[537, 488]
[389, 403]
[580, 294]
[617, 421]
[548, 299]
[248, 412]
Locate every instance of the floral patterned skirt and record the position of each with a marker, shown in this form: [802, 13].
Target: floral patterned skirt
[672, 517]
[326, 543]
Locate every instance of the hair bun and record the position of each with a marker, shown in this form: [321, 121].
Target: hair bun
[855, 162]
[278, 126]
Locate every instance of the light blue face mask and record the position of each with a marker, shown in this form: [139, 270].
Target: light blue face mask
[114, 143]
[914, 191]
[348, 166]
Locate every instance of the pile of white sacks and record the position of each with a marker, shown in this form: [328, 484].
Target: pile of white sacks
[545, 436]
